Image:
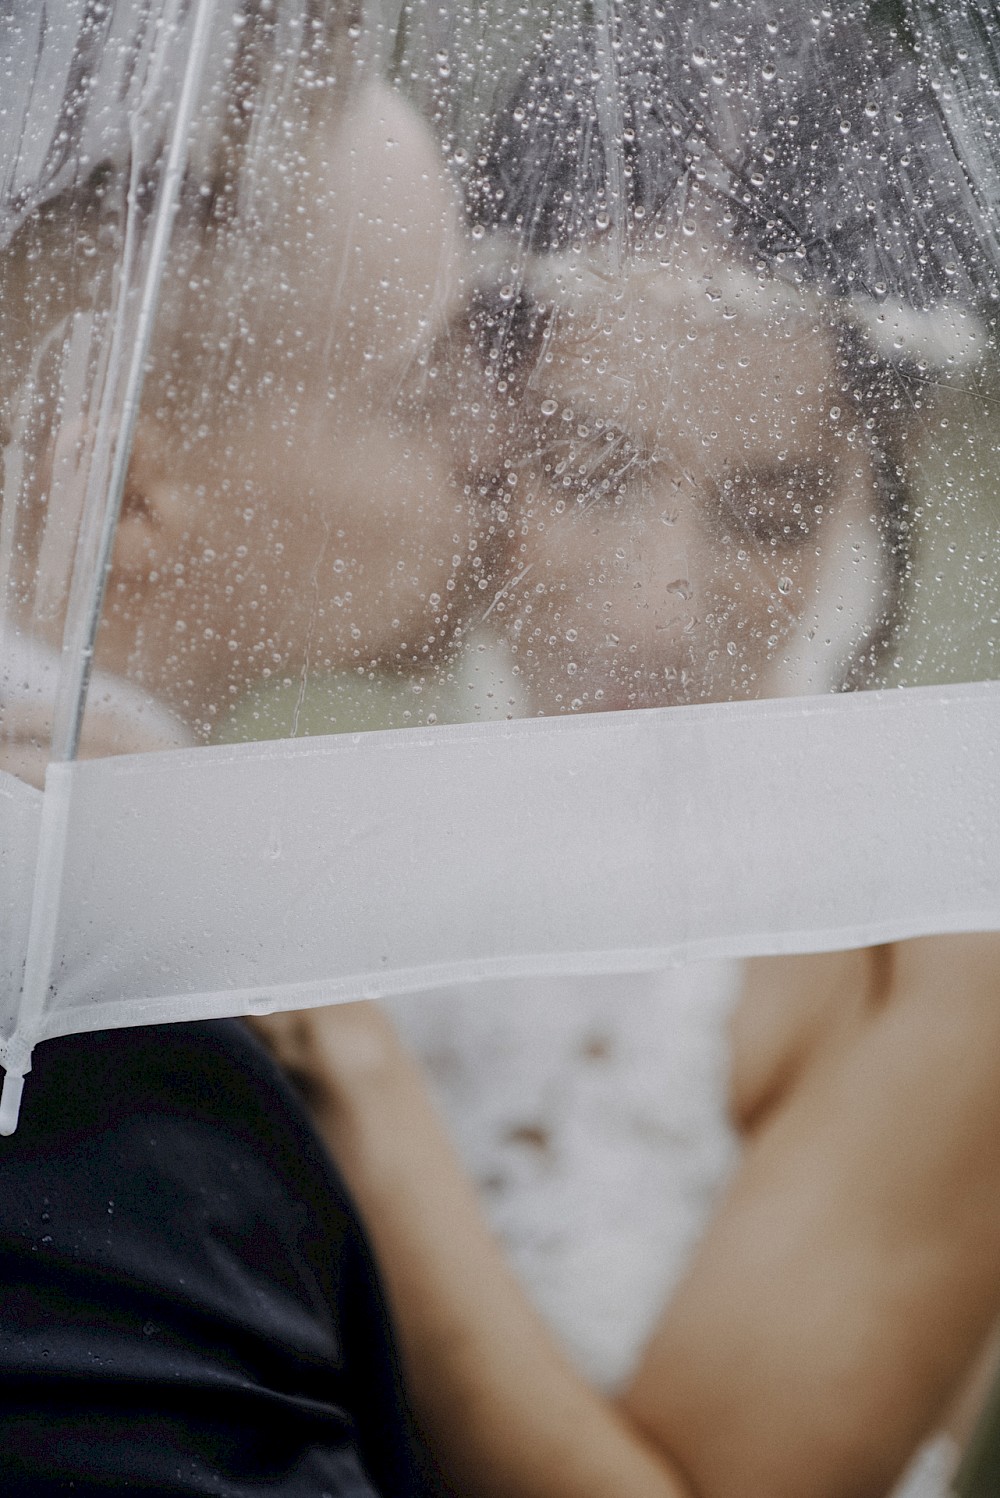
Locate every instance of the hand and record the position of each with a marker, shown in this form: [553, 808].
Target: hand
[332, 1052]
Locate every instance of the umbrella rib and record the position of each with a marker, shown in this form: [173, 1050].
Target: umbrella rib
[72, 691]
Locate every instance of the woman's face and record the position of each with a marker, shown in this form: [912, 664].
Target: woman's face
[689, 501]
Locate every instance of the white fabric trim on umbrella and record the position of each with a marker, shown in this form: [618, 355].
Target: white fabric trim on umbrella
[205, 882]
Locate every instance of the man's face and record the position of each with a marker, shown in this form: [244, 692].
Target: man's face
[688, 496]
[287, 508]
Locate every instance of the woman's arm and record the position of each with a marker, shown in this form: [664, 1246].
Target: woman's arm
[502, 1410]
[851, 1274]
[835, 1304]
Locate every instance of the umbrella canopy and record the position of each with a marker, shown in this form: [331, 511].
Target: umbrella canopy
[488, 495]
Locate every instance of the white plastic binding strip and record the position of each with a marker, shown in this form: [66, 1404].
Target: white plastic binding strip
[210, 882]
[20, 819]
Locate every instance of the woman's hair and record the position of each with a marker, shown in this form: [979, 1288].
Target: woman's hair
[805, 148]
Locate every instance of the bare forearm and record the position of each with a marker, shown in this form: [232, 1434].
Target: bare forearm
[504, 1412]
[847, 1280]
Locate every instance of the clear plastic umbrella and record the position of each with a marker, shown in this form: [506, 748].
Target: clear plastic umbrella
[488, 495]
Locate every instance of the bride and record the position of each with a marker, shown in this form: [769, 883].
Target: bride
[701, 408]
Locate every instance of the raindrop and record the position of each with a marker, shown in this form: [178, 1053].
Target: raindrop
[784, 585]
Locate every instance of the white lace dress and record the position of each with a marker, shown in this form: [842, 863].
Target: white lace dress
[591, 1114]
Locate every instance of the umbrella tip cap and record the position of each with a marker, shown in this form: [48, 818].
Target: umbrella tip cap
[10, 1101]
